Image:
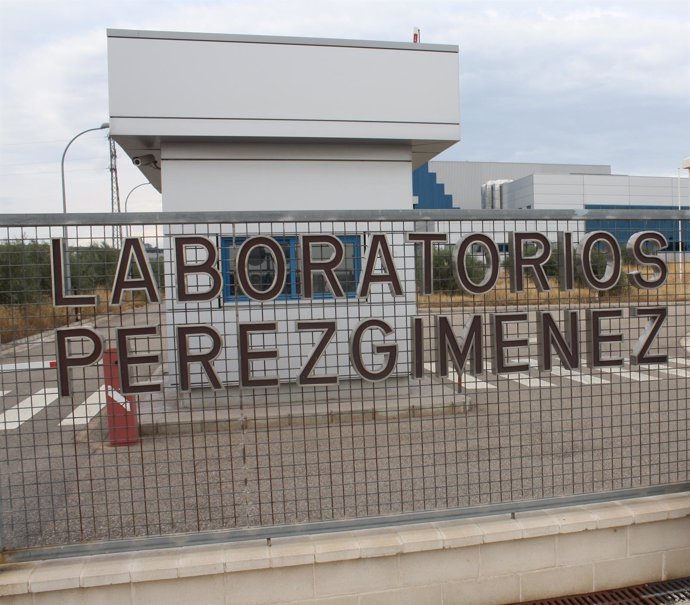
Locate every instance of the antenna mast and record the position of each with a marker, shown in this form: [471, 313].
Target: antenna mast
[114, 192]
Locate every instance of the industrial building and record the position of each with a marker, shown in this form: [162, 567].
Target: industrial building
[517, 186]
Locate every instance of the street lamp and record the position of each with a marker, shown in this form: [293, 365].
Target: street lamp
[132, 190]
[686, 165]
[62, 162]
[65, 247]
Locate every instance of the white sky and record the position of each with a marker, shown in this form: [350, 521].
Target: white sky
[553, 81]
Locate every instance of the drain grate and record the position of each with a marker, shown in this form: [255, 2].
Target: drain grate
[674, 592]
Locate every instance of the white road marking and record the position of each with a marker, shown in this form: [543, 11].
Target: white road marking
[576, 376]
[680, 360]
[676, 372]
[30, 365]
[83, 413]
[27, 408]
[468, 381]
[526, 380]
[630, 374]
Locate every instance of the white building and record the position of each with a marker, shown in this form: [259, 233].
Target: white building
[254, 123]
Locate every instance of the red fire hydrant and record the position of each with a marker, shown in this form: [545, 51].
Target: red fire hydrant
[123, 424]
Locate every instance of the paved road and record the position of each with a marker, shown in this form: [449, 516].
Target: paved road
[520, 436]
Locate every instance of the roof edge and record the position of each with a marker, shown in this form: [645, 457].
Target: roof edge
[251, 39]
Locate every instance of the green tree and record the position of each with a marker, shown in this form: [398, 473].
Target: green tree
[24, 272]
[444, 279]
[93, 267]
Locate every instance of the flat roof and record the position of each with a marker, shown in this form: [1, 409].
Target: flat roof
[206, 37]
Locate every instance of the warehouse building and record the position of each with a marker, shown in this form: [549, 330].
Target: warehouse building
[517, 186]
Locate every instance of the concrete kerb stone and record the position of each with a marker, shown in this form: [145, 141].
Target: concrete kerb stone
[323, 549]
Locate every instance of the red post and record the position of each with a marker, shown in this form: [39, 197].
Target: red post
[123, 424]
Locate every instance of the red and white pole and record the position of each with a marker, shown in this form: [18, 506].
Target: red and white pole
[123, 422]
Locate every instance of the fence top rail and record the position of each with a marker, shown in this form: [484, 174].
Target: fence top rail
[306, 216]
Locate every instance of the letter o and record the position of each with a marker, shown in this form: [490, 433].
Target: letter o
[242, 273]
[612, 272]
[460, 268]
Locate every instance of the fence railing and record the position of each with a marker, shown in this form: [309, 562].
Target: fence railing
[230, 374]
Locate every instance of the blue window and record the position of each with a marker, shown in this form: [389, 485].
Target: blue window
[676, 232]
[261, 268]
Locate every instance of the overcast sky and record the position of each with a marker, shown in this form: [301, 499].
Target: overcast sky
[553, 81]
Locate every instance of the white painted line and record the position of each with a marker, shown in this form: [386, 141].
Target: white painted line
[576, 376]
[469, 382]
[3, 393]
[676, 372]
[532, 363]
[27, 408]
[630, 374]
[83, 413]
[680, 360]
[29, 365]
[525, 379]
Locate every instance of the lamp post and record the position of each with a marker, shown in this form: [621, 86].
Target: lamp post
[65, 247]
[62, 162]
[686, 165]
[131, 191]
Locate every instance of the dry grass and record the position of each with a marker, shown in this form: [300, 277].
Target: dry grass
[676, 288]
[20, 321]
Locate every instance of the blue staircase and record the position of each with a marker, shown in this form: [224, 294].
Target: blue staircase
[429, 191]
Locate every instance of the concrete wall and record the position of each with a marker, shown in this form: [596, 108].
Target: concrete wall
[482, 561]
[244, 176]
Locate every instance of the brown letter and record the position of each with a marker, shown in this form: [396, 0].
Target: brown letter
[566, 264]
[328, 330]
[471, 338]
[125, 360]
[417, 357]
[519, 262]
[207, 267]
[247, 354]
[60, 299]
[635, 245]
[657, 317]
[499, 342]
[426, 240]
[460, 268]
[327, 267]
[595, 338]
[567, 348]
[378, 246]
[133, 250]
[391, 351]
[613, 260]
[185, 357]
[242, 270]
[65, 361]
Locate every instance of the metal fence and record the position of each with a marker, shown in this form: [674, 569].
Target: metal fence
[316, 369]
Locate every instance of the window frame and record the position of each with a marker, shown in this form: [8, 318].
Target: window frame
[230, 242]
